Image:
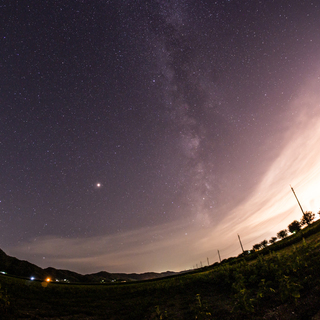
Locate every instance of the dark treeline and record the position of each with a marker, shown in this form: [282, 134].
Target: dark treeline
[294, 227]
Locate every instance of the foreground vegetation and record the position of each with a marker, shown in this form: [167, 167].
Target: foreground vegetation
[281, 281]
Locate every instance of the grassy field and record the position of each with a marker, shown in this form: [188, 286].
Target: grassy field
[280, 282]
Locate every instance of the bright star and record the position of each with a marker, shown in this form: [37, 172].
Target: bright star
[98, 185]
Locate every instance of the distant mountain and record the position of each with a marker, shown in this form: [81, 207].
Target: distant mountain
[18, 267]
[21, 268]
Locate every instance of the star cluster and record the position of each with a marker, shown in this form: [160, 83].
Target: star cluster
[133, 127]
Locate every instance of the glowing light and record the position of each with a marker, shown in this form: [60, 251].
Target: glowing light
[98, 185]
[48, 279]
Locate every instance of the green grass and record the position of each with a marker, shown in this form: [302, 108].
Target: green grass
[283, 280]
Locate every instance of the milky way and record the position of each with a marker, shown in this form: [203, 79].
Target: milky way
[145, 135]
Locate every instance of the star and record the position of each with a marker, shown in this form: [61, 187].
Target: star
[98, 185]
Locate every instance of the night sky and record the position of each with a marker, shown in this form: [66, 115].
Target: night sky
[145, 135]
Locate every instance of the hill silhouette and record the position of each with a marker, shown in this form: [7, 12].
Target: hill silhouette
[25, 269]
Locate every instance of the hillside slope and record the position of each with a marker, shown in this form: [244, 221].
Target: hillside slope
[21, 268]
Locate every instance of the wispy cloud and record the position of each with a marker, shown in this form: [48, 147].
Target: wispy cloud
[147, 249]
[272, 206]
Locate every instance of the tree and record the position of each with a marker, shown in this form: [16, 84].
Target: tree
[273, 240]
[307, 218]
[294, 226]
[282, 234]
[264, 243]
[257, 247]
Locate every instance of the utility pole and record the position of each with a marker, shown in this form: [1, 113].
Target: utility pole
[219, 255]
[240, 244]
[208, 261]
[298, 201]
